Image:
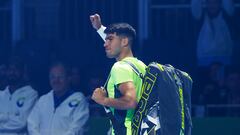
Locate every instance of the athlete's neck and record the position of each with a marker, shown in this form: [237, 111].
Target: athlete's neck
[124, 54]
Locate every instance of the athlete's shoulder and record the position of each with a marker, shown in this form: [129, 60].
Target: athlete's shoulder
[120, 67]
[135, 61]
[120, 64]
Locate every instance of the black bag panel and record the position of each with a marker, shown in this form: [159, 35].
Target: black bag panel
[187, 87]
[159, 86]
[170, 107]
[148, 99]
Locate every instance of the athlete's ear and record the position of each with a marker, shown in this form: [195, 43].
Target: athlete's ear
[125, 41]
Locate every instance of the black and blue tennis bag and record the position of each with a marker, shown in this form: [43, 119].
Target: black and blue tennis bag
[165, 104]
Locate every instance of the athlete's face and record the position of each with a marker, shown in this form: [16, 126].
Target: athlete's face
[113, 45]
[58, 79]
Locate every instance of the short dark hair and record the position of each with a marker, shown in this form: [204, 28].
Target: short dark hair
[122, 29]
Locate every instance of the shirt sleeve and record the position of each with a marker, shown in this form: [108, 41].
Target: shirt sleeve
[80, 117]
[17, 121]
[197, 8]
[100, 31]
[121, 73]
[33, 121]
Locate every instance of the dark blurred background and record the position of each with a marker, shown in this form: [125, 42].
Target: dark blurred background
[41, 31]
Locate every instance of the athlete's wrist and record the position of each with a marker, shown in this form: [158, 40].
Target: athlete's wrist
[104, 101]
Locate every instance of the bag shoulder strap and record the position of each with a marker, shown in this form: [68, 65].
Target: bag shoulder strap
[134, 68]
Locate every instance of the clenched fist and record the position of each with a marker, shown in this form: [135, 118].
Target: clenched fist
[99, 95]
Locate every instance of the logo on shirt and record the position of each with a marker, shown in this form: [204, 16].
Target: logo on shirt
[73, 103]
[20, 101]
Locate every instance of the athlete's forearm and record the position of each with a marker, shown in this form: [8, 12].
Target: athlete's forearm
[122, 103]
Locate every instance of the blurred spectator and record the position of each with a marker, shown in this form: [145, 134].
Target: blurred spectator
[95, 109]
[211, 89]
[62, 111]
[210, 93]
[232, 84]
[93, 82]
[214, 42]
[233, 89]
[3, 76]
[76, 79]
[220, 95]
[212, 79]
[16, 101]
[216, 73]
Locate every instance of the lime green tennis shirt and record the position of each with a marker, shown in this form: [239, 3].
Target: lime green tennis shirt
[122, 72]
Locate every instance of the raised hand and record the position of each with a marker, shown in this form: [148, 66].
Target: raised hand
[96, 21]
